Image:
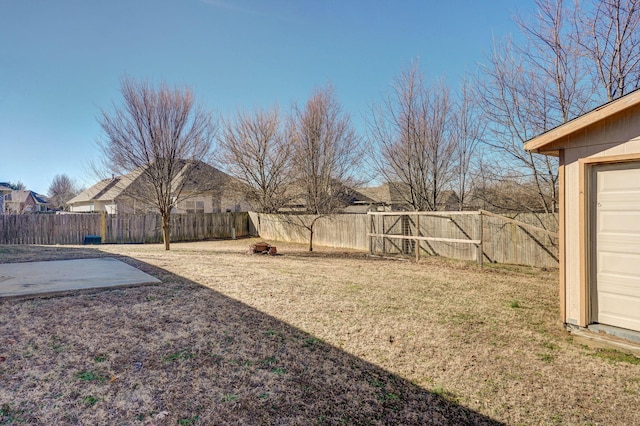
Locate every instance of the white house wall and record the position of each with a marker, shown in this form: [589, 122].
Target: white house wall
[81, 208]
[94, 206]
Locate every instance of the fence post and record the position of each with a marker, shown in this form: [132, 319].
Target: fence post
[479, 236]
[370, 239]
[103, 226]
[384, 240]
[417, 244]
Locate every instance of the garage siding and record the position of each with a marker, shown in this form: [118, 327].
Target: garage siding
[617, 245]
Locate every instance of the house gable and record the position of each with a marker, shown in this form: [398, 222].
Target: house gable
[118, 194]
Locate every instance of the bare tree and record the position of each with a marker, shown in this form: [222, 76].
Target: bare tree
[609, 33]
[411, 140]
[326, 153]
[468, 131]
[256, 151]
[529, 89]
[161, 134]
[17, 186]
[61, 190]
[573, 59]
[555, 57]
[516, 106]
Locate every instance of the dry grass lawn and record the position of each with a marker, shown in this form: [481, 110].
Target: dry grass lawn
[329, 337]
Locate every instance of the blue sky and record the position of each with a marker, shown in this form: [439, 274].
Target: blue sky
[61, 61]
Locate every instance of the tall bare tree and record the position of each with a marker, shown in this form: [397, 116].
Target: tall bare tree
[160, 133]
[61, 190]
[529, 89]
[326, 153]
[516, 106]
[17, 186]
[554, 56]
[468, 131]
[411, 140]
[256, 150]
[609, 33]
[576, 55]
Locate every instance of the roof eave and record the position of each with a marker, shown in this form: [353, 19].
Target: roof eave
[547, 143]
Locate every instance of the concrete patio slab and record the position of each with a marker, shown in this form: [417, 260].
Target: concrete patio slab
[60, 276]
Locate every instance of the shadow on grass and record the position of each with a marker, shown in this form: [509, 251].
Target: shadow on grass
[181, 353]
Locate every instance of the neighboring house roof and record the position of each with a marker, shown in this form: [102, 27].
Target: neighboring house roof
[19, 196]
[385, 193]
[353, 196]
[106, 189]
[40, 199]
[21, 201]
[347, 196]
[110, 189]
[553, 140]
[5, 188]
[391, 194]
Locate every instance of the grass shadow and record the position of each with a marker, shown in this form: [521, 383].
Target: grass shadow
[181, 353]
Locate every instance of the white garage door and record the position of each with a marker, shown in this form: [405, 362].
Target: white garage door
[617, 246]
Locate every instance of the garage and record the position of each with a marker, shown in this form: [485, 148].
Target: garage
[616, 210]
[599, 218]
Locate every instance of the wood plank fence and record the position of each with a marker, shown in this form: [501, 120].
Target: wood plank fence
[147, 228]
[530, 239]
[340, 230]
[503, 240]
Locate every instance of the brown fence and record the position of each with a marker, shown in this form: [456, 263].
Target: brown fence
[530, 239]
[504, 240]
[481, 236]
[72, 228]
[341, 230]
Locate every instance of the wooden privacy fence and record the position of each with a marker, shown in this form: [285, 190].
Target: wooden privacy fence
[146, 228]
[527, 239]
[340, 230]
[478, 235]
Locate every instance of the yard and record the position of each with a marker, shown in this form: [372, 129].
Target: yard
[329, 337]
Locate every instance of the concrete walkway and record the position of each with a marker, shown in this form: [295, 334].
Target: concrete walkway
[61, 276]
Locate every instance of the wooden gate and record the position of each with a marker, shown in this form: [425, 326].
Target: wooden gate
[472, 235]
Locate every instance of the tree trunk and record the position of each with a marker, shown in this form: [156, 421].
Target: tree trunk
[166, 230]
[311, 238]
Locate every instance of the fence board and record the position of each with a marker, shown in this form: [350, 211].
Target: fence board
[339, 231]
[503, 241]
[147, 228]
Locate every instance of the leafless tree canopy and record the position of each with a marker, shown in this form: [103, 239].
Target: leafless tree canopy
[468, 131]
[256, 150]
[160, 133]
[609, 33]
[326, 152]
[411, 139]
[552, 54]
[574, 59]
[517, 105]
[17, 186]
[61, 190]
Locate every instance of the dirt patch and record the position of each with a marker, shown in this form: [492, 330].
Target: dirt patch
[326, 337]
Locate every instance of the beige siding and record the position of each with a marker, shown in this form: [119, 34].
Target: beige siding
[572, 241]
[614, 137]
[617, 220]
